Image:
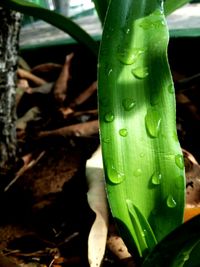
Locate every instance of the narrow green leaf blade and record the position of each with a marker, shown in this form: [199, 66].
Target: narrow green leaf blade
[145, 235]
[171, 5]
[176, 249]
[101, 8]
[59, 21]
[194, 257]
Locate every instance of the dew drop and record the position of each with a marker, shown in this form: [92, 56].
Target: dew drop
[129, 56]
[171, 203]
[152, 122]
[170, 89]
[179, 161]
[110, 71]
[175, 136]
[140, 73]
[158, 23]
[182, 258]
[109, 117]
[154, 100]
[144, 233]
[186, 257]
[156, 178]
[145, 25]
[128, 31]
[142, 155]
[115, 176]
[153, 21]
[106, 140]
[123, 132]
[138, 172]
[128, 104]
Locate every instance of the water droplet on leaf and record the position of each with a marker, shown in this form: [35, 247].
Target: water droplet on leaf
[138, 172]
[123, 132]
[140, 73]
[156, 178]
[129, 56]
[171, 203]
[179, 161]
[153, 21]
[106, 140]
[109, 72]
[170, 89]
[128, 104]
[152, 122]
[175, 136]
[109, 117]
[115, 176]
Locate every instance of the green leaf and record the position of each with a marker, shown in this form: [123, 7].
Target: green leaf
[194, 257]
[180, 248]
[145, 236]
[142, 157]
[59, 21]
[101, 8]
[171, 5]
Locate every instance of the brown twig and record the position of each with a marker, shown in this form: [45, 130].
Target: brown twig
[32, 114]
[60, 87]
[92, 112]
[29, 162]
[85, 95]
[43, 89]
[24, 74]
[86, 129]
[68, 112]
[46, 67]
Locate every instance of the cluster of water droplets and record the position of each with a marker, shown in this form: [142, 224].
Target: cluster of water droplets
[153, 21]
[152, 117]
[129, 56]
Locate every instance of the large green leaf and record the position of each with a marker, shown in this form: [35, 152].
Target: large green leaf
[142, 156]
[55, 19]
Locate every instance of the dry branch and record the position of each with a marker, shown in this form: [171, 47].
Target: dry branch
[85, 95]
[60, 88]
[46, 67]
[23, 74]
[86, 129]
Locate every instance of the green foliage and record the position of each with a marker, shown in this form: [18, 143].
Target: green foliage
[142, 157]
[101, 8]
[171, 5]
[180, 248]
[143, 161]
[59, 21]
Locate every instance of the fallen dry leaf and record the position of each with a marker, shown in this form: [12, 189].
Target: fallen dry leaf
[192, 179]
[97, 201]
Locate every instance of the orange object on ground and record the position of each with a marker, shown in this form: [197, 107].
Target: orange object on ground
[189, 213]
